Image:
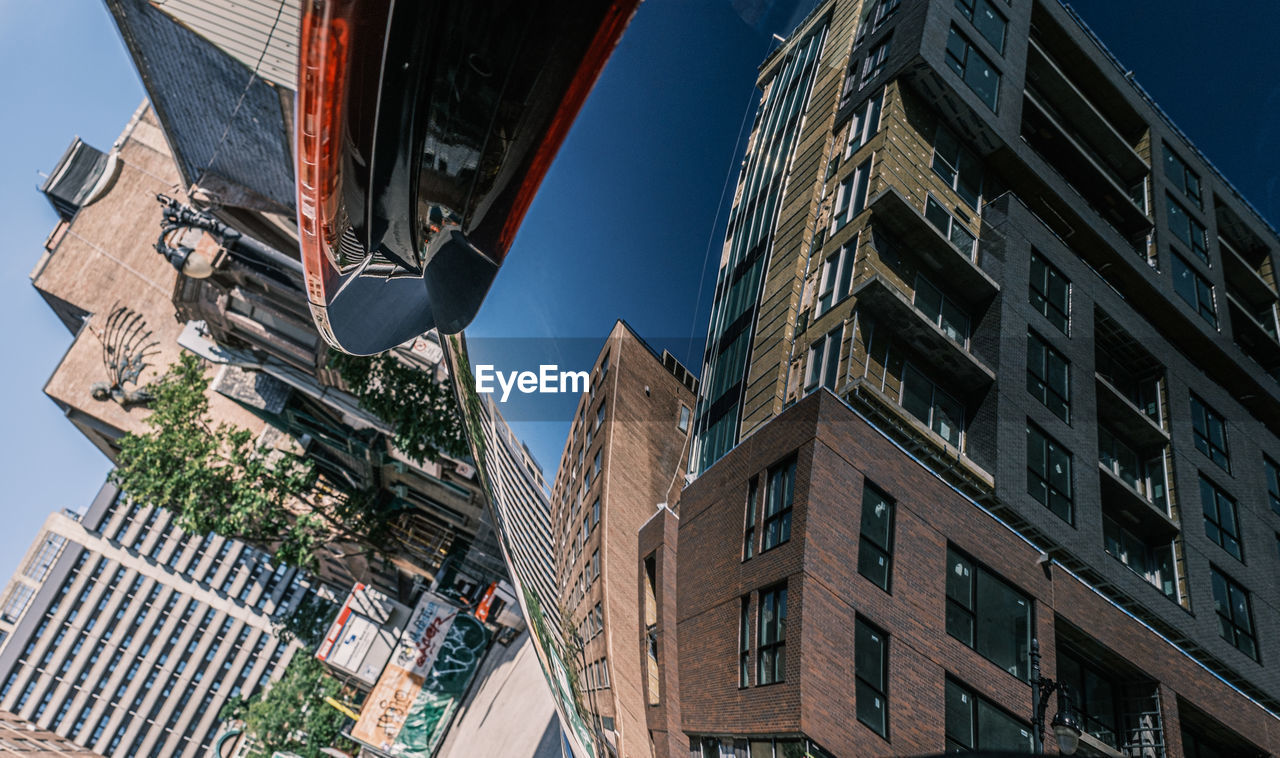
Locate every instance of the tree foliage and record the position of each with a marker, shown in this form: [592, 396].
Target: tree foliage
[215, 478]
[292, 714]
[422, 411]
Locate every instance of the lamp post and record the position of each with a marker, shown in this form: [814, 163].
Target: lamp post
[1066, 722]
[195, 265]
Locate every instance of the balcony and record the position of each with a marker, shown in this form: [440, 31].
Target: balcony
[1096, 183]
[1130, 506]
[1127, 419]
[1060, 93]
[1257, 339]
[947, 263]
[877, 297]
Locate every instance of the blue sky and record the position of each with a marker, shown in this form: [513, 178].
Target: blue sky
[624, 217]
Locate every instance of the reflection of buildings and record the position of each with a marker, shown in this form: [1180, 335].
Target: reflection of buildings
[522, 513]
[624, 458]
[227, 142]
[126, 635]
[1041, 302]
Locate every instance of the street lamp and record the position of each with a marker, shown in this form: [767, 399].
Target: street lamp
[1066, 722]
[178, 217]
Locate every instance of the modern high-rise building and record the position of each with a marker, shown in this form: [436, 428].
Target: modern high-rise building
[993, 362]
[623, 462]
[126, 635]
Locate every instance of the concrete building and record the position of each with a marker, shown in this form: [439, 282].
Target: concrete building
[624, 459]
[125, 635]
[1053, 323]
[18, 737]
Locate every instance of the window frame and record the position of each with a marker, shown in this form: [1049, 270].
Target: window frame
[864, 124]
[1227, 536]
[771, 655]
[974, 718]
[1040, 299]
[1204, 419]
[970, 9]
[960, 66]
[946, 306]
[782, 475]
[1189, 231]
[972, 612]
[1050, 443]
[869, 545]
[934, 392]
[863, 686]
[851, 195]
[835, 282]
[752, 516]
[1272, 471]
[954, 170]
[1228, 621]
[823, 366]
[744, 642]
[1174, 166]
[876, 61]
[953, 226]
[1039, 383]
[1207, 308]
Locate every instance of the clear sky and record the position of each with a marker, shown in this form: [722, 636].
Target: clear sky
[624, 217]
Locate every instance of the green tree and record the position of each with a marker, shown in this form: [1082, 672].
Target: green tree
[422, 411]
[292, 714]
[215, 478]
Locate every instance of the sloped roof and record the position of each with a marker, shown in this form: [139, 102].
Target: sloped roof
[225, 125]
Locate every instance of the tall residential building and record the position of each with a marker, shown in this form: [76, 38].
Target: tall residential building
[987, 330]
[125, 635]
[624, 460]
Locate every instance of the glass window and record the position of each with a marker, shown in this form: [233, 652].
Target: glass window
[1187, 229]
[935, 408]
[988, 615]
[1273, 483]
[595, 512]
[875, 548]
[1050, 292]
[871, 670]
[1221, 522]
[1096, 698]
[744, 643]
[1182, 177]
[1048, 376]
[749, 533]
[1235, 617]
[1210, 432]
[973, 723]
[942, 311]
[683, 423]
[773, 636]
[851, 196]
[1049, 473]
[1154, 563]
[959, 168]
[824, 360]
[973, 67]
[837, 277]
[951, 228]
[864, 123]
[876, 61]
[986, 19]
[1195, 289]
[777, 512]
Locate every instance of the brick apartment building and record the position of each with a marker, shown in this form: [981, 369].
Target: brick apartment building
[624, 460]
[993, 358]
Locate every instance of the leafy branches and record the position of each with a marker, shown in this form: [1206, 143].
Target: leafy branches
[215, 478]
[422, 410]
[292, 715]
